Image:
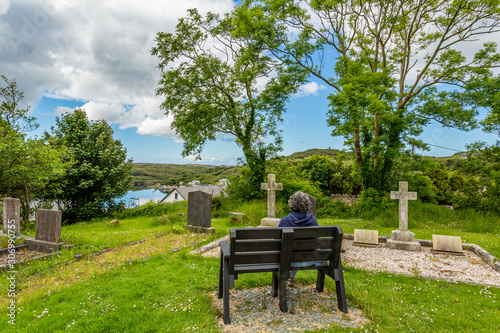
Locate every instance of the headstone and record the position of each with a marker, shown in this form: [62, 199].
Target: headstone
[199, 215]
[365, 237]
[403, 239]
[48, 231]
[312, 204]
[447, 244]
[271, 186]
[11, 216]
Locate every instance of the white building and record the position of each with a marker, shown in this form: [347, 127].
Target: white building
[181, 193]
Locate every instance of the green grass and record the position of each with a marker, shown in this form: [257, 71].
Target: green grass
[146, 288]
[171, 293]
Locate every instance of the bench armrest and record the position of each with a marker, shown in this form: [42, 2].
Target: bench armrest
[224, 247]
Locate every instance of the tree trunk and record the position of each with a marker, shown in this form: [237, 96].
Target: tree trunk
[357, 147]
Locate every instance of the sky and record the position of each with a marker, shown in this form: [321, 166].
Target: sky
[95, 55]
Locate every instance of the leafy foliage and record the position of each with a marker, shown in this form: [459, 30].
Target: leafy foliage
[380, 99]
[216, 83]
[10, 113]
[27, 166]
[100, 171]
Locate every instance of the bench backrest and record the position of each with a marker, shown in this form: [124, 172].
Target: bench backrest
[283, 246]
[254, 246]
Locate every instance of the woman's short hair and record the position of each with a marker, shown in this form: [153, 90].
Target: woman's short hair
[299, 202]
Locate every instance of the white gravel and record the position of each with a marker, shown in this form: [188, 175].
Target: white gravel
[468, 268]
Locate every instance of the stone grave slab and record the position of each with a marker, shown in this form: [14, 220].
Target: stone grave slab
[367, 238]
[269, 222]
[312, 204]
[11, 216]
[199, 215]
[48, 232]
[447, 244]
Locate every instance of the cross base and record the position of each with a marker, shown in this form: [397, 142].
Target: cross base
[405, 246]
[403, 240]
[269, 222]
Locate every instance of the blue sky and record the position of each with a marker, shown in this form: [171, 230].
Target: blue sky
[95, 54]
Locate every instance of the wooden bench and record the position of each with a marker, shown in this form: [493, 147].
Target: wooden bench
[255, 250]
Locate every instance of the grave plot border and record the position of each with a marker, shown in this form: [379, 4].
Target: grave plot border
[479, 251]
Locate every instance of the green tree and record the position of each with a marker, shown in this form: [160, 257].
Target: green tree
[389, 57]
[27, 166]
[10, 113]
[320, 170]
[101, 171]
[214, 82]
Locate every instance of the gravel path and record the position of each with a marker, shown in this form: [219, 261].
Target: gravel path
[255, 310]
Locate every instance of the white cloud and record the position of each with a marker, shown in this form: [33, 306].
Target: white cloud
[156, 127]
[97, 51]
[4, 6]
[310, 88]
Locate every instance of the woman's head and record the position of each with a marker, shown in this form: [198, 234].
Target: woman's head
[298, 202]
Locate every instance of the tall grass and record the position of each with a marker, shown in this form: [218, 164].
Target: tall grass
[420, 215]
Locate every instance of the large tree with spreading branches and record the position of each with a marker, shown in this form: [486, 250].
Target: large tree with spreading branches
[216, 83]
[393, 66]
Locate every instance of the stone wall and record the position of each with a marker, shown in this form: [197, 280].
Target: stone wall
[347, 198]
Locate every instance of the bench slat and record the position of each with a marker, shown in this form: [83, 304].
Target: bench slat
[256, 258]
[311, 255]
[256, 268]
[257, 245]
[313, 244]
[256, 233]
[321, 231]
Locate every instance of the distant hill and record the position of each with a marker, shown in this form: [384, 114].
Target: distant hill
[329, 152]
[145, 175]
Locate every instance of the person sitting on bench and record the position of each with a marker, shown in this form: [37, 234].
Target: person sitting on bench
[299, 217]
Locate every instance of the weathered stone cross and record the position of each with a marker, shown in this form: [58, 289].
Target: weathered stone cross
[271, 186]
[403, 196]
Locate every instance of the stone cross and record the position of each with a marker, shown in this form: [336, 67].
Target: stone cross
[403, 196]
[11, 216]
[271, 186]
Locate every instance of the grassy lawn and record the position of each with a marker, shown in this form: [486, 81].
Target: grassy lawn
[148, 288]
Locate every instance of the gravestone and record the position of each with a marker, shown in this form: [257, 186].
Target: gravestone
[447, 244]
[403, 239]
[312, 204]
[199, 215]
[11, 216]
[271, 186]
[48, 231]
[367, 238]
